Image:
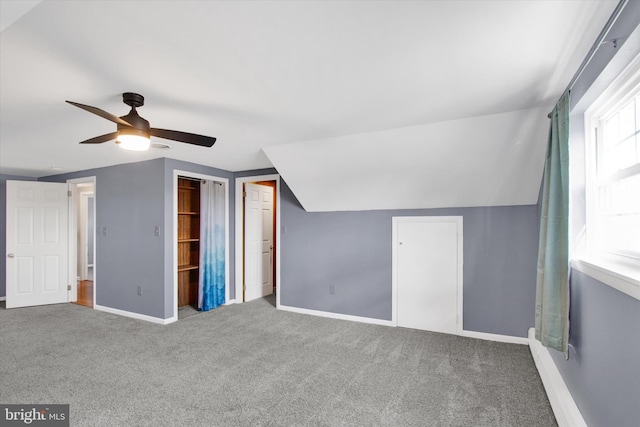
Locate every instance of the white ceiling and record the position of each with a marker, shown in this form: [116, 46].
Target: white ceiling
[345, 93]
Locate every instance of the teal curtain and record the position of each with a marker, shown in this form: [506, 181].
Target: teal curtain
[552, 284]
[211, 290]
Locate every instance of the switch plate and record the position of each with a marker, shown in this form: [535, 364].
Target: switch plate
[156, 230]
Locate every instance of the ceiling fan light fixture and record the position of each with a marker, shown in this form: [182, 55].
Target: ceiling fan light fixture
[133, 139]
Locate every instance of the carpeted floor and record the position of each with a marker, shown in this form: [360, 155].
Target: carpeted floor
[252, 365]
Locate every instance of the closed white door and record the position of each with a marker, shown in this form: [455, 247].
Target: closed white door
[37, 243]
[427, 268]
[258, 241]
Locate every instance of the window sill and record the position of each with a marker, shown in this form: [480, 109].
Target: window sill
[621, 276]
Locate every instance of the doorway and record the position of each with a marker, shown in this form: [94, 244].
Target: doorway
[257, 238]
[83, 214]
[427, 273]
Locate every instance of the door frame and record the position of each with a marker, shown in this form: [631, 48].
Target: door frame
[239, 236]
[73, 229]
[174, 246]
[394, 264]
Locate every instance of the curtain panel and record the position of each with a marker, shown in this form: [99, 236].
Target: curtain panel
[211, 288]
[552, 284]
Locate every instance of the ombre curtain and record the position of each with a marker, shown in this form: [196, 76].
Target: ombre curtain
[552, 284]
[211, 289]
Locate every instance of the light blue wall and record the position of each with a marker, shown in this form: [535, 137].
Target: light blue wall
[602, 371]
[352, 251]
[3, 229]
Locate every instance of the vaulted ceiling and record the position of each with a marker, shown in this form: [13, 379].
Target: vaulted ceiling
[359, 105]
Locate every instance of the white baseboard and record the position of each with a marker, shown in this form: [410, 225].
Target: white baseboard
[3, 298]
[336, 315]
[138, 316]
[495, 337]
[231, 301]
[564, 407]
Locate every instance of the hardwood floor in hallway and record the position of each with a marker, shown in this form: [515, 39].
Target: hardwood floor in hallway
[85, 293]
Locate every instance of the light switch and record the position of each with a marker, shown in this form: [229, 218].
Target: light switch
[157, 230]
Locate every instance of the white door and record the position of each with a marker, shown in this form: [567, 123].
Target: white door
[258, 241]
[37, 243]
[428, 261]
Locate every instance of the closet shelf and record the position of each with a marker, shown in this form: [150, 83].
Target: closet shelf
[184, 187]
[187, 267]
[188, 240]
[188, 213]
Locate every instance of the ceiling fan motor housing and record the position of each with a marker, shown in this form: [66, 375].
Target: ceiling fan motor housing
[140, 126]
[133, 99]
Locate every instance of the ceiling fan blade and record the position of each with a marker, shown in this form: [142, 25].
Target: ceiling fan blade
[102, 138]
[189, 138]
[97, 111]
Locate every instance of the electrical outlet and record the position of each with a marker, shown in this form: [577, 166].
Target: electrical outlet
[332, 289]
[139, 290]
[104, 231]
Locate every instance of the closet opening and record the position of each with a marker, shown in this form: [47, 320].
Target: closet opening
[201, 243]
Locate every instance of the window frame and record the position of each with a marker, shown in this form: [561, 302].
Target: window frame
[619, 269]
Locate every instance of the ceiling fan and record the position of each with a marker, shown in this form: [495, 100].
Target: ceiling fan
[134, 132]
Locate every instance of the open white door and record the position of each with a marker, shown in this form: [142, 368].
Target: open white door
[258, 241]
[37, 243]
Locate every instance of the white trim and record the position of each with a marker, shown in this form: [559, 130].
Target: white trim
[73, 225]
[137, 316]
[458, 220]
[3, 298]
[564, 407]
[233, 301]
[239, 234]
[339, 316]
[495, 337]
[609, 275]
[174, 265]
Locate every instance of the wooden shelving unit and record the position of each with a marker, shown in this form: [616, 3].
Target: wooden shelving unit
[188, 241]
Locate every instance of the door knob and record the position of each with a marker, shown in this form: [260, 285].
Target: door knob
[10, 255]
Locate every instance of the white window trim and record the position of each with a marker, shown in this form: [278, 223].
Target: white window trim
[619, 272]
[614, 274]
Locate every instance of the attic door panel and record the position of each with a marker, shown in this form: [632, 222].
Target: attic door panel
[427, 276]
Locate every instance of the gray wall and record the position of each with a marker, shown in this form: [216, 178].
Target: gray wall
[602, 371]
[352, 251]
[130, 201]
[3, 229]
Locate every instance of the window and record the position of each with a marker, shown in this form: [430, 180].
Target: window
[613, 179]
[617, 180]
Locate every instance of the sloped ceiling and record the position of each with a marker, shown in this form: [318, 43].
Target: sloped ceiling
[437, 103]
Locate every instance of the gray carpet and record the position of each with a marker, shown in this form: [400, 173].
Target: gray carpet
[252, 365]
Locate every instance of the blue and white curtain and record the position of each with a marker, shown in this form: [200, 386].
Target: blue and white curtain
[211, 289]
